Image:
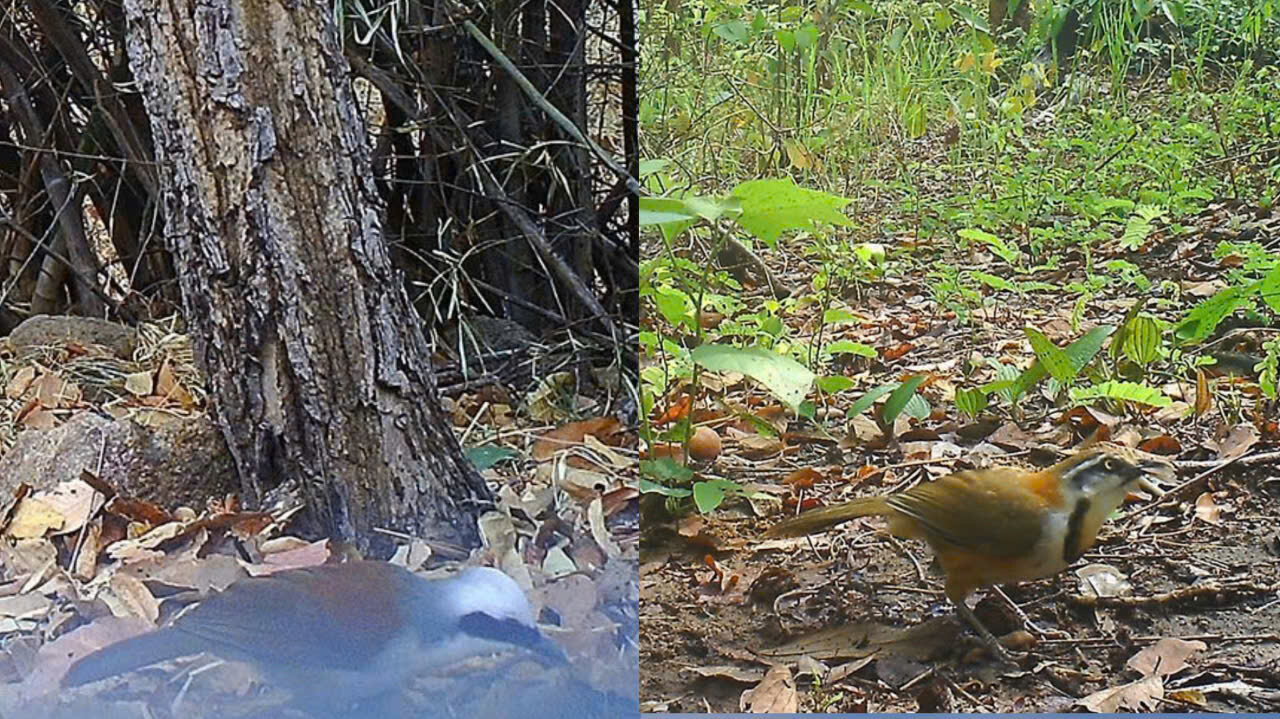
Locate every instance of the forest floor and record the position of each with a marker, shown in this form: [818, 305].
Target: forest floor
[852, 620]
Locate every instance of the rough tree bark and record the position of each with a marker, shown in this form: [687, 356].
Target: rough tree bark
[316, 361]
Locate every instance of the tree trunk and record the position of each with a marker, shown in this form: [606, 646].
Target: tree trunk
[317, 364]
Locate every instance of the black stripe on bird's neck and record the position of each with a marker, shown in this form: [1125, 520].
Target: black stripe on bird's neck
[1073, 544]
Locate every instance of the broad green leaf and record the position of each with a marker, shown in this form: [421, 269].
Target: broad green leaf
[485, 456]
[787, 379]
[863, 403]
[1083, 350]
[831, 385]
[1053, 359]
[993, 281]
[1205, 316]
[653, 166]
[1117, 342]
[771, 207]
[1080, 353]
[1127, 391]
[660, 210]
[665, 470]
[871, 253]
[710, 494]
[1006, 384]
[735, 31]
[648, 486]
[917, 407]
[976, 21]
[838, 314]
[899, 397]
[1269, 289]
[1142, 341]
[674, 306]
[971, 401]
[853, 348]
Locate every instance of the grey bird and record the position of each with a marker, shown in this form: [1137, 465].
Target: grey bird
[340, 635]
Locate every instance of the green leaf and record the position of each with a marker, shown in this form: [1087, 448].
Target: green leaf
[917, 407]
[899, 397]
[1118, 341]
[787, 379]
[1269, 368]
[1053, 359]
[1083, 350]
[1139, 227]
[976, 21]
[665, 470]
[839, 314]
[1079, 353]
[1269, 289]
[710, 494]
[1201, 321]
[1142, 340]
[831, 385]
[993, 281]
[664, 210]
[853, 348]
[674, 306]
[1126, 391]
[863, 403]
[998, 246]
[485, 456]
[653, 166]
[871, 253]
[648, 486]
[735, 31]
[971, 401]
[771, 207]
[1006, 384]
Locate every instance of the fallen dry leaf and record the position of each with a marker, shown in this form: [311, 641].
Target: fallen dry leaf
[1207, 510]
[775, 694]
[1141, 695]
[1165, 657]
[571, 434]
[33, 519]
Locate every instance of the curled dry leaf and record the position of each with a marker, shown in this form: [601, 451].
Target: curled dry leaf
[1207, 510]
[1103, 580]
[775, 694]
[1167, 656]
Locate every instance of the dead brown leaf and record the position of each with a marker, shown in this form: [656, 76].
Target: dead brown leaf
[605, 429]
[1167, 656]
[1141, 695]
[775, 694]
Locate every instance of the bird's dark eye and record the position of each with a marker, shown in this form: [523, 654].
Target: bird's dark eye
[1109, 464]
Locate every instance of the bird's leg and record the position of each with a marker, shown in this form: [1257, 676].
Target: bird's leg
[992, 643]
[1026, 621]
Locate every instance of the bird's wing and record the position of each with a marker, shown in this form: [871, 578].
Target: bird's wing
[300, 618]
[987, 512]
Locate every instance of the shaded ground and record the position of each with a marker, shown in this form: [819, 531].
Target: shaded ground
[689, 626]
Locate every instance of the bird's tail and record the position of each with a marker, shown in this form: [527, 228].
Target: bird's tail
[819, 519]
[130, 654]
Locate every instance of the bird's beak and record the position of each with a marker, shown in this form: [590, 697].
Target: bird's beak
[548, 652]
[1158, 468]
